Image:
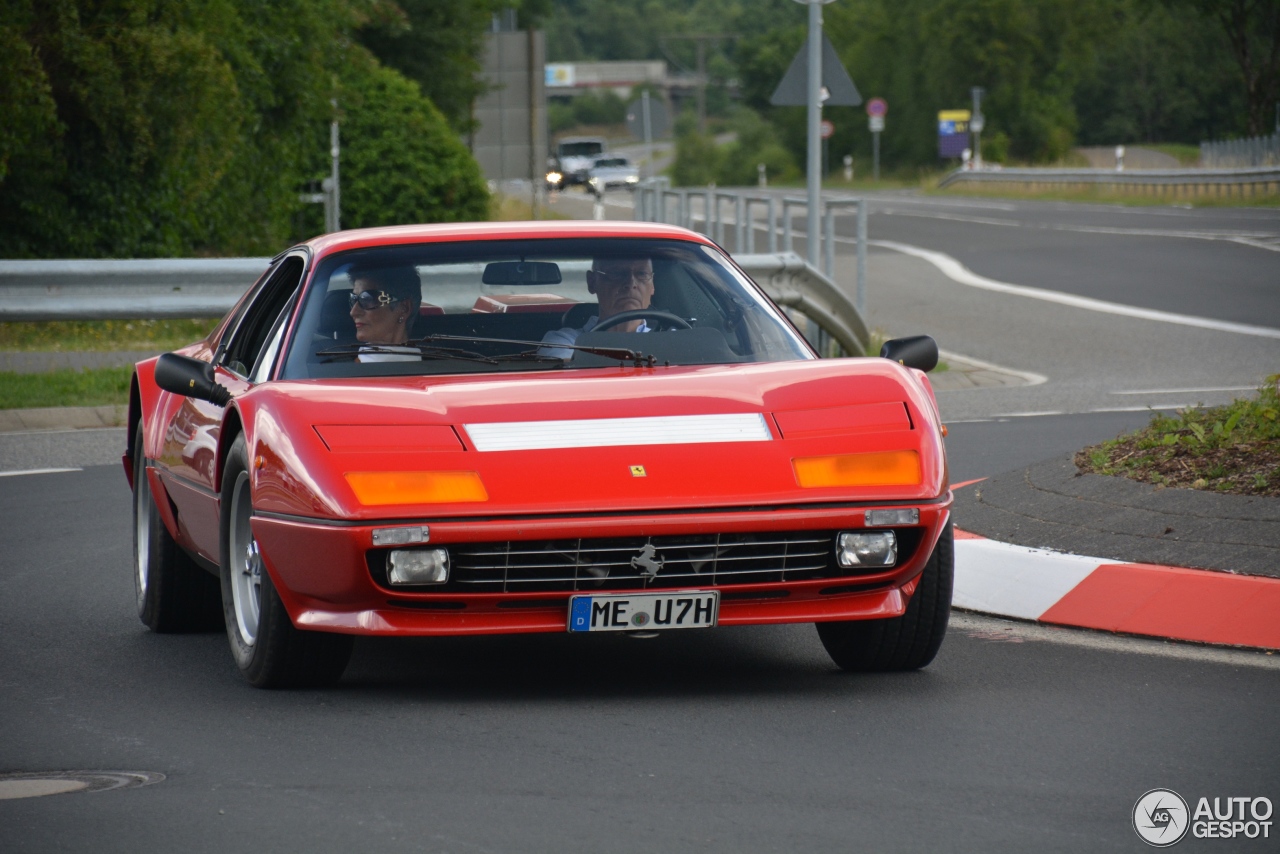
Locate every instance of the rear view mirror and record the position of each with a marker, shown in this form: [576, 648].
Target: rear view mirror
[918, 351]
[522, 273]
[190, 378]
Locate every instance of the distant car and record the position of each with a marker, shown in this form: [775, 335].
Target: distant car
[609, 172]
[301, 484]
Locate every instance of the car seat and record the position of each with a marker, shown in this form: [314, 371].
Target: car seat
[335, 317]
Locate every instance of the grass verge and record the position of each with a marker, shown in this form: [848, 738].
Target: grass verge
[102, 335]
[65, 388]
[1233, 449]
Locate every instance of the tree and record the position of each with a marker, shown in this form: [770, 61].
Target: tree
[401, 161]
[1252, 28]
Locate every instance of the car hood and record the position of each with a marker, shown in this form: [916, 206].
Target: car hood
[590, 441]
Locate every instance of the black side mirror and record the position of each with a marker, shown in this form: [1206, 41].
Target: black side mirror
[918, 351]
[190, 378]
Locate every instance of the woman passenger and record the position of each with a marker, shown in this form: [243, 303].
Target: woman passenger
[384, 304]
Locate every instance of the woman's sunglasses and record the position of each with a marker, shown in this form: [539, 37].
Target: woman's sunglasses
[369, 300]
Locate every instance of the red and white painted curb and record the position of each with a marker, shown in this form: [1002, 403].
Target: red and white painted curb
[1133, 598]
[1097, 593]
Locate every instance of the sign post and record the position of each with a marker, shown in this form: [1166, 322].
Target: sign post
[976, 124]
[876, 110]
[833, 87]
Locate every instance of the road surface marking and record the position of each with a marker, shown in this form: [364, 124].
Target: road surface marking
[1187, 390]
[36, 471]
[957, 272]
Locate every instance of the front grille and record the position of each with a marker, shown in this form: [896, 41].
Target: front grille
[588, 565]
[621, 564]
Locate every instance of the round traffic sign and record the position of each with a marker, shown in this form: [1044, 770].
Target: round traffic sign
[877, 107]
[828, 129]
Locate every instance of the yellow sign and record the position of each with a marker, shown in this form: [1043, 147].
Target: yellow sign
[637, 471]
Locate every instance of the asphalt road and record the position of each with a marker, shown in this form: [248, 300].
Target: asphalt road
[1015, 739]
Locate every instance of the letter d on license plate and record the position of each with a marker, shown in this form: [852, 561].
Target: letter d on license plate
[644, 612]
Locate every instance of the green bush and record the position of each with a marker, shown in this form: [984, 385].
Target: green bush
[401, 163]
[697, 161]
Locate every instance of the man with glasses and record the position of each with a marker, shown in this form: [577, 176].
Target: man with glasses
[619, 284]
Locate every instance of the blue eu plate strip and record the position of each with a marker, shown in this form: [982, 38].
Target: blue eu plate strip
[580, 615]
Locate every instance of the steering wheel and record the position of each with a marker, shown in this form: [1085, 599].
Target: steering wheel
[663, 318]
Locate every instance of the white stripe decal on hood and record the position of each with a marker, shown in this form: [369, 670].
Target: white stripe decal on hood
[611, 432]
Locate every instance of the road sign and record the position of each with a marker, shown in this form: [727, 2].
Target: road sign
[659, 121]
[828, 129]
[976, 123]
[953, 132]
[877, 108]
[793, 90]
[876, 123]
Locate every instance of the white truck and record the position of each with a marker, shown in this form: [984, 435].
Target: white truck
[575, 155]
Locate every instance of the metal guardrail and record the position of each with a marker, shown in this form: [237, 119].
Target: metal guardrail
[795, 284]
[1264, 179]
[1254, 151]
[149, 289]
[132, 289]
[653, 203]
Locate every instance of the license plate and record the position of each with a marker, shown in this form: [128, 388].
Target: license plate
[644, 612]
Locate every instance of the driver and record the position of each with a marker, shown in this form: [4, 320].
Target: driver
[620, 284]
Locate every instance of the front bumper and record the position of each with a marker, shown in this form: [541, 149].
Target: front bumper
[322, 572]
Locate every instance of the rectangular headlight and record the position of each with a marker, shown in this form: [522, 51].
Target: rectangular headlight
[867, 548]
[418, 566]
[373, 488]
[888, 518]
[887, 468]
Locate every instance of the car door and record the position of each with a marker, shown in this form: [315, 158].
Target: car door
[189, 453]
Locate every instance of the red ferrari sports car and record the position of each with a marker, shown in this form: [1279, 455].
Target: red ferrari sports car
[533, 427]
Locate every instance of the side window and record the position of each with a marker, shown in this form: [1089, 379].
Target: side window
[267, 358]
[259, 319]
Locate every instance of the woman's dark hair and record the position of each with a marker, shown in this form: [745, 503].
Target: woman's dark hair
[400, 281]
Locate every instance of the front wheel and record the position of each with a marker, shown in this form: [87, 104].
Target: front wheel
[908, 642]
[268, 649]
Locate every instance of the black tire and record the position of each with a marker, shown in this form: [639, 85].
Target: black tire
[173, 593]
[908, 642]
[269, 650]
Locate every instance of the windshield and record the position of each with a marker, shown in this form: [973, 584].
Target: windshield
[609, 162]
[513, 305]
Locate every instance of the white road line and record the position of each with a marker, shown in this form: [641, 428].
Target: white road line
[1032, 379]
[957, 272]
[1186, 390]
[1160, 407]
[1246, 238]
[36, 471]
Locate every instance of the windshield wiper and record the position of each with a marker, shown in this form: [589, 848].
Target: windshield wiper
[620, 353]
[427, 353]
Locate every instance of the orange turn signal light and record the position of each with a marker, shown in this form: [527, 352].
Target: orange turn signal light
[888, 468]
[374, 488]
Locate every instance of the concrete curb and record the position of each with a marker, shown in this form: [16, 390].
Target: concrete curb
[63, 418]
[1131, 598]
